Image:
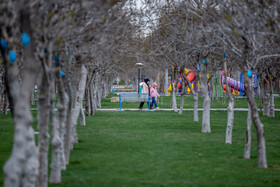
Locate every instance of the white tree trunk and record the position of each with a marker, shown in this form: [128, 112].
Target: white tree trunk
[206, 100]
[21, 169]
[182, 95]
[55, 173]
[265, 104]
[82, 117]
[58, 130]
[43, 122]
[247, 150]
[195, 107]
[79, 101]
[230, 109]
[271, 112]
[262, 163]
[68, 125]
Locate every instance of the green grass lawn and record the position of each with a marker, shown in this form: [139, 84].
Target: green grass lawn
[164, 102]
[159, 148]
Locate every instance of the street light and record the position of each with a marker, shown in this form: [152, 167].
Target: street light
[139, 65]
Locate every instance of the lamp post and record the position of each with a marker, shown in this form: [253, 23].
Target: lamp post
[139, 65]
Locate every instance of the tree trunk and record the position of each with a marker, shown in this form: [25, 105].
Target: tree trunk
[43, 122]
[206, 100]
[55, 173]
[69, 126]
[21, 169]
[271, 112]
[87, 101]
[230, 109]
[262, 163]
[82, 117]
[79, 101]
[247, 150]
[174, 91]
[5, 104]
[93, 105]
[195, 96]
[182, 94]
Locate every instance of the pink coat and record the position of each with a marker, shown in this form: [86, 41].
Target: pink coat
[154, 92]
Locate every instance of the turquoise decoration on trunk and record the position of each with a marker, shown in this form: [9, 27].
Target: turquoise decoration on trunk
[12, 56]
[203, 61]
[25, 39]
[56, 58]
[249, 73]
[62, 74]
[4, 44]
[225, 54]
[197, 68]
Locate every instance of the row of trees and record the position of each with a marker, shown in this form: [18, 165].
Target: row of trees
[221, 35]
[78, 48]
[72, 48]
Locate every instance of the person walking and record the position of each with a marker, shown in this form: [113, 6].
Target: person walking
[154, 95]
[146, 89]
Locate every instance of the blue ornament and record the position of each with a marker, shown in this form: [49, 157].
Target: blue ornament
[203, 61]
[12, 56]
[4, 44]
[62, 74]
[249, 73]
[225, 54]
[197, 68]
[56, 58]
[25, 39]
[46, 51]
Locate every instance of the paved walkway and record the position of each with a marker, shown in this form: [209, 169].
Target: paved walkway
[169, 109]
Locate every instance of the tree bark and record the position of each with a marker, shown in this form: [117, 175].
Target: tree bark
[230, 109]
[82, 117]
[5, 104]
[174, 92]
[247, 150]
[271, 112]
[206, 100]
[43, 122]
[79, 101]
[69, 125]
[21, 169]
[195, 96]
[182, 96]
[56, 143]
[262, 163]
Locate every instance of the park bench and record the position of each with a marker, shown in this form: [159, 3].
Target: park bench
[134, 97]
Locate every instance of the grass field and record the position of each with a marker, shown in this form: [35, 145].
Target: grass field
[159, 148]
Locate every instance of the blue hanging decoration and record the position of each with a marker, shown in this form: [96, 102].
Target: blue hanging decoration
[56, 58]
[46, 51]
[12, 56]
[249, 73]
[197, 68]
[62, 74]
[4, 44]
[203, 61]
[225, 54]
[25, 39]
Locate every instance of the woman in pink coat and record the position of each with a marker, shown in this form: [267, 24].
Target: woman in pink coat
[154, 94]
